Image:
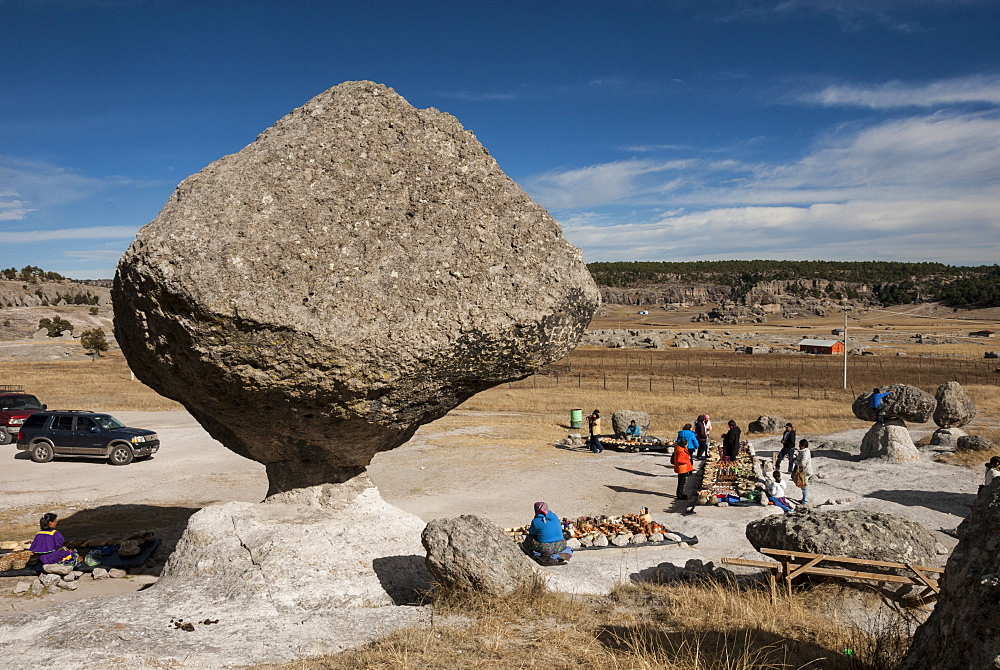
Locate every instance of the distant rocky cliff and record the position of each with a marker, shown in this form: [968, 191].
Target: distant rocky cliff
[738, 303]
[16, 293]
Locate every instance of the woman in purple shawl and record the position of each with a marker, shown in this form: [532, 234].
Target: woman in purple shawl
[48, 543]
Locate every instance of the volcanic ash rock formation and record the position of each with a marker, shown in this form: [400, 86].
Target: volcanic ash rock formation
[903, 402]
[961, 632]
[954, 406]
[359, 270]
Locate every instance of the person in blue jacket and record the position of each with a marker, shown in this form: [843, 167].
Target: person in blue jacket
[878, 404]
[633, 432]
[687, 434]
[545, 542]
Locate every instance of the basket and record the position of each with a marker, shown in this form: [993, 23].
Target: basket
[19, 559]
[5, 563]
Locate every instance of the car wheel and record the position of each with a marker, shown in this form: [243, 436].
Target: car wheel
[42, 452]
[121, 454]
[5, 437]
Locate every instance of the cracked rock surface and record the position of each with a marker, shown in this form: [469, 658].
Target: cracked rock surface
[359, 270]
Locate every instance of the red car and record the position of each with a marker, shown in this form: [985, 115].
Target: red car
[14, 409]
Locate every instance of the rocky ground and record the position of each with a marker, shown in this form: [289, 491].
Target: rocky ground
[429, 477]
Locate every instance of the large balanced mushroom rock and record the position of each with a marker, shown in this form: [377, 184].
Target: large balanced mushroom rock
[359, 270]
[954, 406]
[961, 632]
[903, 402]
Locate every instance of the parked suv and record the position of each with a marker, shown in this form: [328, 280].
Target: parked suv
[14, 409]
[76, 433]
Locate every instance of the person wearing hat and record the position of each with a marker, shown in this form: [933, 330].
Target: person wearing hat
[787, 448]
[992, 471]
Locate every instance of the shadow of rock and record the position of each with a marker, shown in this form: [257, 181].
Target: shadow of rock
[640, 473]
[837, 454]
[958, 504]
[625, 489]
[404, 578]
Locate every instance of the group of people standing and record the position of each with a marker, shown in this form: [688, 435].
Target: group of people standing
[800, 467]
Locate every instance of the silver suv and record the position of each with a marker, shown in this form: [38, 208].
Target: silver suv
[87, 434]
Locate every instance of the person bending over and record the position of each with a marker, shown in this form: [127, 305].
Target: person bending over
[545, 542]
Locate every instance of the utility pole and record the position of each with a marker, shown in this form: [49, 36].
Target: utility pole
[846, 309]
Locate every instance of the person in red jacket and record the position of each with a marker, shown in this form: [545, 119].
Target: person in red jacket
[682, 466]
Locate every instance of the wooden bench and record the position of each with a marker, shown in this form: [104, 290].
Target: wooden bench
[792, 564]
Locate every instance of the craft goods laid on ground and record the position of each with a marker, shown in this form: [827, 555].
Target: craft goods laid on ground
[102, 551]
[635, 446]
[594, 532]
[731, 482]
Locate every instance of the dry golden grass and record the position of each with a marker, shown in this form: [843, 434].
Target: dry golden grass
[103, 384]
[686, 627]
[550, 406]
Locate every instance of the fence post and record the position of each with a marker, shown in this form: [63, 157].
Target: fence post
[605, 381]
[627, 381]
[798, 393]
[720, 388]
[651, 384]
[557, 379]
[699, 384]
[579, 380]
[673, 384]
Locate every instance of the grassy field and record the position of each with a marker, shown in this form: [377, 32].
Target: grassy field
[680, 627]
[104, 384]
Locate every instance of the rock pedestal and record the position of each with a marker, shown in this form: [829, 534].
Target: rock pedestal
[315, 548]
[359, 270]
[946, 437]
[961, 632]
[889, 441]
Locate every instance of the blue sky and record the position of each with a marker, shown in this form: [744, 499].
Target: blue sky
[651, 129]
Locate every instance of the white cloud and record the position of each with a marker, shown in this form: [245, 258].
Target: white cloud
[38, 185]
[922, 188]
[95, 254]
[87, 233]
[980, 89]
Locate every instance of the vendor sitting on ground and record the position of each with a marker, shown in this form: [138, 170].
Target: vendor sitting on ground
[776, 492]
[545, 542]
[633, 432]
[49, 543]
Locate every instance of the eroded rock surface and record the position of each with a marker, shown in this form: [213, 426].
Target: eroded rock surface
[325, 546]
[904, 402]
[471, 553]
[855, 533]
[359, 270]
[954, 406]
[767, 424]
[946, 437]
[961, 631]
[889, 441]
[621, 419]
[974, 443]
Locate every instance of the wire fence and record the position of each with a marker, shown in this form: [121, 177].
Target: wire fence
[768, 375]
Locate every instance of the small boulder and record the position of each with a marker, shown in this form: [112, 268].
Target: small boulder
[67, 586]
[903, 402]
[601, 541]
[21, 587]
[54, 588]
[954, 406]
[116, 573]
[57, 568]
[974, 443]
[856, 533]
[889, 441]
[638, 538]
[473, 554]
[99, 573]
[621, 419]
[574, 543]
[48, 580]
[37, 588]
[946, 437]
[767, 424]
[656, 537]
[621, 540]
